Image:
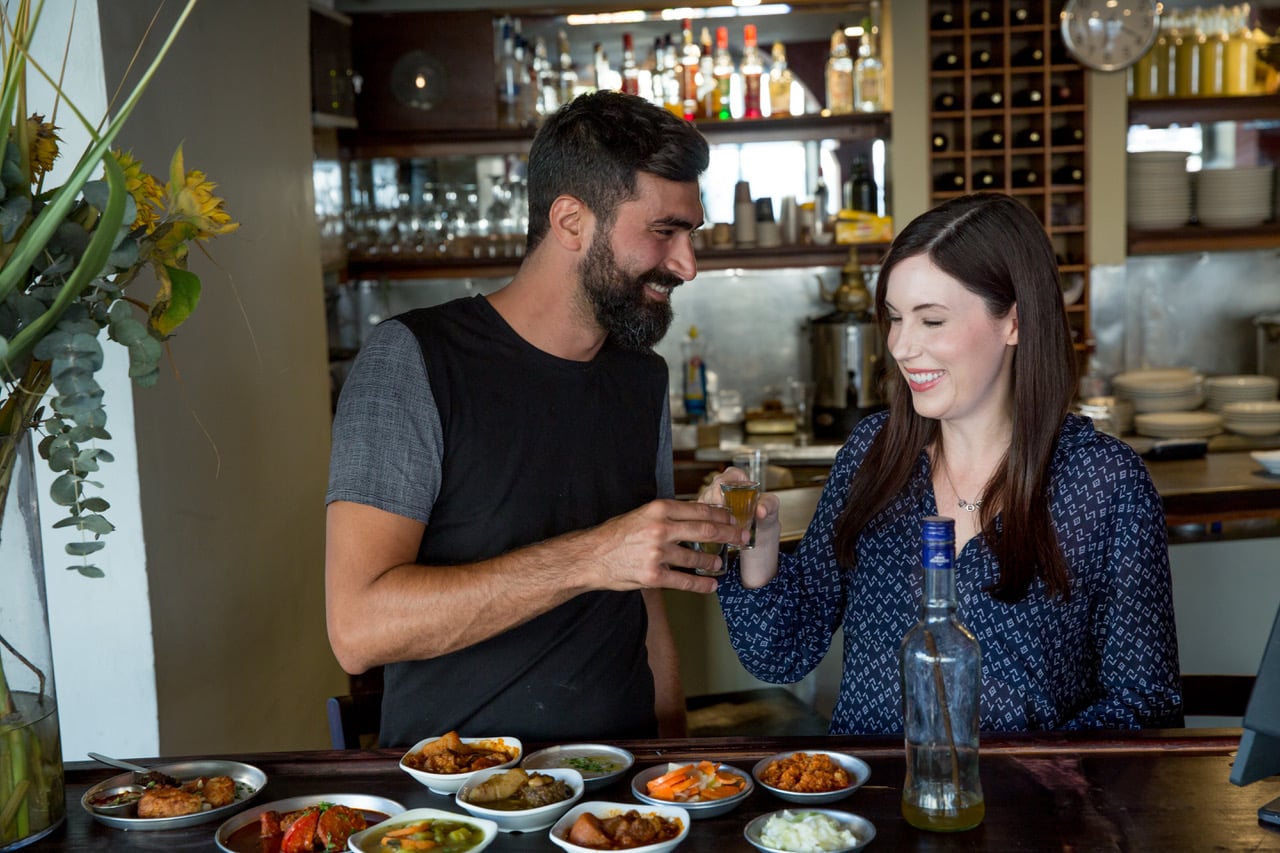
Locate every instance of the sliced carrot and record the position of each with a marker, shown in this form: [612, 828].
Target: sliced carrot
[408, 829]
[670, 776]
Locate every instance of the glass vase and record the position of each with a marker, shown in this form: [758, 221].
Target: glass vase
[32, 803]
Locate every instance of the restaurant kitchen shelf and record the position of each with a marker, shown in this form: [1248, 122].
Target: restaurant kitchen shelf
[1198, 238]
[1162, 112]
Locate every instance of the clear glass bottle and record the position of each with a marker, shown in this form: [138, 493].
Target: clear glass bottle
[722, 68]
[839, 75]
[780, 80]
[509, 78]
[868, 76]
[707, 106]
[630, 71]
[567, 79]
[690, 65]
[941, 678]
[752, 70]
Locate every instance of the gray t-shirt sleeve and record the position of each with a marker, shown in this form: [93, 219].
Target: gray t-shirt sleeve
[387, 440]
[666, 465]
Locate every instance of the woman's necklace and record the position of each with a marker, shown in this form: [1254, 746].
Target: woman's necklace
[967, 506]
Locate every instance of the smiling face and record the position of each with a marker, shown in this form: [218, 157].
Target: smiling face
[957, 358]
[635, 262]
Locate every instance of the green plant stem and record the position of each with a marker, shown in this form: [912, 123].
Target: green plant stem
[17, 809]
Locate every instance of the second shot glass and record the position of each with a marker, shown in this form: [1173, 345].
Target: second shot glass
[741, 498]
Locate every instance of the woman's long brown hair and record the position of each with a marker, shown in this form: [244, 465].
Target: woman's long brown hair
[998, 250]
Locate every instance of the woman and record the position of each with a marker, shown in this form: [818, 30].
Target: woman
[1062, 568]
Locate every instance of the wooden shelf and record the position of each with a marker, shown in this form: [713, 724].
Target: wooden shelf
[1162, 112]
[708, 259]
[1199, 238]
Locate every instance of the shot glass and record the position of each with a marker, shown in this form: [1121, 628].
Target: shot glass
[755, 463]
[741, 498]
[716, 548]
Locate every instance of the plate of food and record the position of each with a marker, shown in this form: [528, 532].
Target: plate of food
[445, 763]
[811, 777]
[520, 800]
[595, 826]
[599, 764]
[704, 788]
[170, 796]
[317, 822]
[797, 830]
[426, 829]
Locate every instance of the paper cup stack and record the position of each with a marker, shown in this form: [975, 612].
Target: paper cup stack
[1173, 389]
[1234, 198]
[1159, 189]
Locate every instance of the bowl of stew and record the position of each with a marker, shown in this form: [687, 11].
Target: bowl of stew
[811, 777]
[605, 824]
[519, 800]
[445, 763]
[446, 832]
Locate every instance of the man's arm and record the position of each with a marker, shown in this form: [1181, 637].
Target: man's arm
[381, 607]
[669, 699]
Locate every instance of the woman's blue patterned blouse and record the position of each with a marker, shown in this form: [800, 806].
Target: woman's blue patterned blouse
[1107, 658]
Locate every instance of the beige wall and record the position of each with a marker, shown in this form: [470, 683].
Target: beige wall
[233, 454]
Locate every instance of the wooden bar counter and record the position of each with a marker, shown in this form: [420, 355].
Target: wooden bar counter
[1132, 791]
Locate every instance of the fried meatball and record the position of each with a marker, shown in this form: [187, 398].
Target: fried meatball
[168, 802]
[219, 791]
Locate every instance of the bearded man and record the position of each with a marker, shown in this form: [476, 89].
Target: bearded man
[500, 524]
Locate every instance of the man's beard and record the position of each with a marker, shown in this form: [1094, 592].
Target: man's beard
[618, 300]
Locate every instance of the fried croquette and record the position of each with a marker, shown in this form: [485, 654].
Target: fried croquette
[168, 802]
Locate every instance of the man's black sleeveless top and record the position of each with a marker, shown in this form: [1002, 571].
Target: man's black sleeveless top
[534, 446]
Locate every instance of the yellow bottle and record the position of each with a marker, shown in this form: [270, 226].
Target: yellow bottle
[1186, 71]
[1241, 57]
[1211, 39]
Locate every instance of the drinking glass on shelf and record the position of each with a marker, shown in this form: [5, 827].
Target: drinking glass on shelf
[754, 463]
[740, 498]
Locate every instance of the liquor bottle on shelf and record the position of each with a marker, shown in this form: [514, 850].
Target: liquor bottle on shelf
[868, 75]
[948, 60]
[940, 143]
[1029, 55]
[1028, 137]
[671, 98]
[1064, 93]
[601, 73]
[992, 100]
[567, 78]
[988, 140]
[948, 182]
[630, 71]
[707, 106]
[986, 179]
[545, 74]
[780, 80]
[510, 76]
[982, 58]
[1067, 134]
[723, 70]
[981, 18]
[941, 667]
[945, 102]
[1068, 175]
[1029, 97]
[690, 60]
[943, 21]
[1023, 178]
[1021, 13]
[527, 108]
[860, 189]
[752, 69]
[839, 75]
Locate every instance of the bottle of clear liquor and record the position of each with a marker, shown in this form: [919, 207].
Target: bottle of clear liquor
[780, 80]
[941, 680]
[839, 75]
[868, 74]
[722, 68]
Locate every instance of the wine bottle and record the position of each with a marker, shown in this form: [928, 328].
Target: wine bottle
[989, 139]
[948, 182]
[1067, 134]
[940, 142]
[948, 60]
[986, 179]
[943, 21]
[1024, 178]
[992, 100]
[860, 189]
[1068, 175]
[1030, 97]
[1028, 137]
[941, 666]
[1020, 14]
[1029, 55]
[945, 102]
[1063, 93]
[982, 18]
[981, 58]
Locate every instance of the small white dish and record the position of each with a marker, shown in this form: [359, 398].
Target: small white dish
[369, 840]
[862, 829]
[522, 820]
[559, 833]
[859, 772]
[449, 783]
[1269, 459]
[696, 808]
[598, 763]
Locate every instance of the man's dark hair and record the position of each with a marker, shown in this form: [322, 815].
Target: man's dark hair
[592, 148]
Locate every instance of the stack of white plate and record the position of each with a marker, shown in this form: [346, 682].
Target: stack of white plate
[1220, 390]
[1234, 198]
[1159, 189]
[1178, 424]
[1172, 389]
[1257, 417]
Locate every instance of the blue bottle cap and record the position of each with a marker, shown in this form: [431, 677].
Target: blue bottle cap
[937, 528]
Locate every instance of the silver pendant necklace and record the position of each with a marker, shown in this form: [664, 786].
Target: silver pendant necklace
[967, 506]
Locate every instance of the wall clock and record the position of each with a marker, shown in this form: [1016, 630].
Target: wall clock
[1110, 35]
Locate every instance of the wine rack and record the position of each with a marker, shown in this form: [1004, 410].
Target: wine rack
[1008, 115]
